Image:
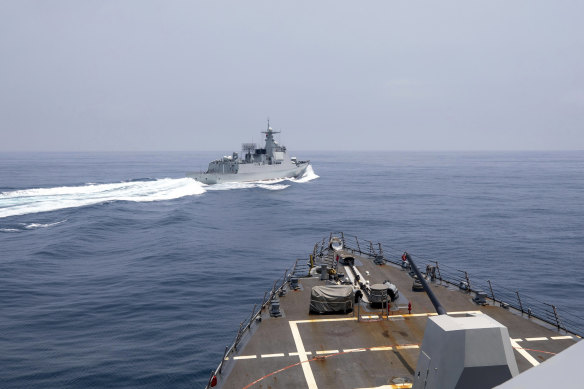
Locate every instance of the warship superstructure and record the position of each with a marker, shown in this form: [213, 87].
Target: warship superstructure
[256, 164]
[337, 320]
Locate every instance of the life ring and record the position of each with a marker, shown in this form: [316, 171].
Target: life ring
[404, 257]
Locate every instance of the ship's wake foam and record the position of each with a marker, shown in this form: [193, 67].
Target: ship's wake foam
[28, 201]
[308, 175]
[277, 184]
[22, 202]
[31, 226]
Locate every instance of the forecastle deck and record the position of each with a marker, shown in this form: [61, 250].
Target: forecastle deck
[366, 347]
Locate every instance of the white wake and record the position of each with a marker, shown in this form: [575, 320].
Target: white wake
[308, 175]
[27, 201]
[22, 202]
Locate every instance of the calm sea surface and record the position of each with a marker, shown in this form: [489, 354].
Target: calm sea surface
[116, 271]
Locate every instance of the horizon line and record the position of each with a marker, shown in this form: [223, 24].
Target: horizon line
[300, 151]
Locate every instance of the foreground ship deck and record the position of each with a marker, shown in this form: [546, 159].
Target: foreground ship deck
[366, 347]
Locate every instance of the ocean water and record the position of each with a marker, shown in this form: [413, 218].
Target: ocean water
[116, 271]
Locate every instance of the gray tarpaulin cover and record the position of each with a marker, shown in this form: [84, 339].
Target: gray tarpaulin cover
[331, 298]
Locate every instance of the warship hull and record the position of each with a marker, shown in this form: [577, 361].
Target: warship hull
[252, 172]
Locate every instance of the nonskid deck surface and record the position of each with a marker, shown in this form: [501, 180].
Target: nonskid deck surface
[300, 350]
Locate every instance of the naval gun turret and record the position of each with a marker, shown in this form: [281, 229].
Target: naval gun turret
[472, 351]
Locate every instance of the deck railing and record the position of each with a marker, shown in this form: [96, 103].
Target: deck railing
[300, 269]
[561, 318]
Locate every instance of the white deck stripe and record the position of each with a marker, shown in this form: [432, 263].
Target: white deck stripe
[562, 337]
[381, 348]
[320, 352]
[324, 320]
[406, 315]
[296, 354]
[517, 340]
[393, 386]
[272, 355]
[306, 369]
[407, 346]
[354, 350]
[534, 339]
[524, 353]
[245, 357]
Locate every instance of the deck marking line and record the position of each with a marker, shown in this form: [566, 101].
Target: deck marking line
[320, 352]
[534, 339]
[296, 354]
[562, 337]
[324, 320]
[306, 369]
[517, 340]
[465, 312]
[381, 348]
[406, 385]
[354, 350]
[407, 346]
[245, 357]
[406, 315]
[524, 353]
[272, 355]
[418, 314]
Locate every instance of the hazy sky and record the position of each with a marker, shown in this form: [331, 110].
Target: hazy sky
[198, 75]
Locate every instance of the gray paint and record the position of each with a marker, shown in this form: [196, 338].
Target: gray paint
[464, 352]
[267, 163]
[561, 370]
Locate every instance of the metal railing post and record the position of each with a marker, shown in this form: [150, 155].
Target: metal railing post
[467, 282]
[273, 292]
[438, 268]
[491, 287]
[238, 337]
[251, 317]
[223, 360]
[557, 317]
[520, 305]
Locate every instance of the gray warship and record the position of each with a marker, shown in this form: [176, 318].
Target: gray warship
[356, 315]
[268, 163]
